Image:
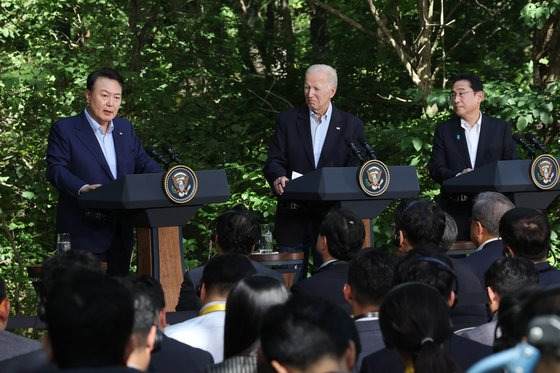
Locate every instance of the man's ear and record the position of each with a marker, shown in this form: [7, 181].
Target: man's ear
[47, 347]
[278, 368]
[151, 340]
[347, 291]
[350, 355]
[202, 292]
[4, 312]
[162, 318]
[451, 300]
[493, 299]
[509, 251]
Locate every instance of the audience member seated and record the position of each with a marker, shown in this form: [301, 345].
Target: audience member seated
[89, 320]
[488, 209]
[526, 234]
[168, 353]
[207, 330]
[237, 232]
[421, 323]
[504, 276]
[370, 277]
[449, 234]
[11, 345]
[341, 236]
[417, 336]
[246, 305]
[309, 334]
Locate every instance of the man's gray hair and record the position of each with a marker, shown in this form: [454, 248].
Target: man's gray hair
[331, 73]
[488, 209]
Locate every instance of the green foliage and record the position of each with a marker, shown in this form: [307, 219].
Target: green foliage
[535, 14]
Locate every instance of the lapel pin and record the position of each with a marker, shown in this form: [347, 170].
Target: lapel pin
[120, 133]
[338, 128]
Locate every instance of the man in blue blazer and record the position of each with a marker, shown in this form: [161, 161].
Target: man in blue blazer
[469, 140]
[86, 151]
[308, 138]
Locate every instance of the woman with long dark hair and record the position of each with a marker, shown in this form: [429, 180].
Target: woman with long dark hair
[415, 321]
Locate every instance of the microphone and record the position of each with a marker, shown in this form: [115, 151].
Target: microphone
[369, 150]
[535, 142]
[355, 150]
[524, 144]
[157, 156]
[169, 150]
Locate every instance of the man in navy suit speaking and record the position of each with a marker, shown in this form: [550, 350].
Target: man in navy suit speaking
[86, 151]
[468, 140]
[306, 138]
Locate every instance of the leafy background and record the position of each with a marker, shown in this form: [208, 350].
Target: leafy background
[209, 76]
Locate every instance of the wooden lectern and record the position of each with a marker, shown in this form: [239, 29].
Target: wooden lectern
[158, 221]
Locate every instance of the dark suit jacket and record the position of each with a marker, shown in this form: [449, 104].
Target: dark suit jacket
[188, 296]
[371, 339]
[481, 260]
[174, 355]
[548, 274]
[327, 283]
[290, 149]
[462, 350]
[74, 158]
[470, 309]
[450, 154]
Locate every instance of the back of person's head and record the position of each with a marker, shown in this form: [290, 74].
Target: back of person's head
[474, 80]
[428, 266]
[509, 329]
[415, 321]
[449, 234]
[89, 320]
[344, 232]
[105, 72]
[3, 290]
[247, 303]
[526, 232]
[306, 330]
[422, 223]
[370, 276]
[145, 310]
[238, 231]
[488, 209]
[508, 274]
[222, 272]
[151, 287]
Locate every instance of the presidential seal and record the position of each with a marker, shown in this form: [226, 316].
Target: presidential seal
[180, 184]
[374, 178]
[544, 171]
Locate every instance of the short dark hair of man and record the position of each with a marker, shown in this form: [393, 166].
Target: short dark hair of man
[145, 312]
[526, 232]
[345, 233]
[488, 209]
[151, 287]
[222, 272]
[422, 223]
[415, 320]
[306, 329]
[370, 276]
[105, 72]
[545, 302]
[474, 80]
[238, 232]
[89, 320]
[508, 274]
[428, 266]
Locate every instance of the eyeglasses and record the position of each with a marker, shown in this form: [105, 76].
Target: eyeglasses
[454, 95]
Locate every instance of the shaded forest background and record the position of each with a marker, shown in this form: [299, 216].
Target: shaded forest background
[208, 77]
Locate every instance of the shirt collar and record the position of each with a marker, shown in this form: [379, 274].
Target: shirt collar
[325, 116]
[96, 127]
[475, 126]
[487, 241]
[327, 263]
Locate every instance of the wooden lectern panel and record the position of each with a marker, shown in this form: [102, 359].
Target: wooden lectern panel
[367, 227]
[167, 267]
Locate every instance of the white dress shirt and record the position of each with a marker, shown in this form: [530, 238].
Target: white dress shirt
[472, 134]
[319, 128]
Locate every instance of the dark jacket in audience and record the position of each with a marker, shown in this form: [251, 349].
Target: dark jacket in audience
[481, 260]
[173, 354]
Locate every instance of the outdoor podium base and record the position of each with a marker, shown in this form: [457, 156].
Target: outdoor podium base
[160, 255]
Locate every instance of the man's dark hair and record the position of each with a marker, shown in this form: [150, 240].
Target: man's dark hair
[344, 232]
[370, 276]
[145, 312]
[151, 287]
[422, 223]
[415, 320]
[488, 209]
[527, 232]
[105, 72]
[89, 320]
[474, 80]
[427, 265]
[238, 232]
[508, 274]
[306, 329]
[3, 290]
[224, 271]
